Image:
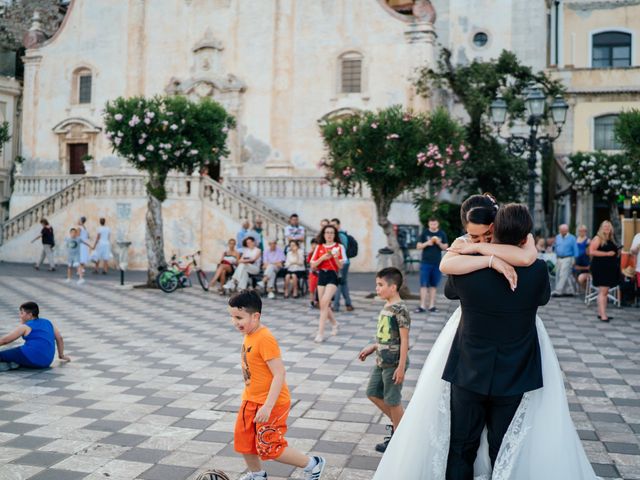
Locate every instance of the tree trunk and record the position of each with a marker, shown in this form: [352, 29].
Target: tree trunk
[397, 260]
[615, 220]
[154, 238]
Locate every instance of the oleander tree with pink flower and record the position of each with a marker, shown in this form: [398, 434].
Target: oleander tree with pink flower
[158, 135]
[392, 151]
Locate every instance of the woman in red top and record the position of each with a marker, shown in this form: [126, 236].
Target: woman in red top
[327, 259]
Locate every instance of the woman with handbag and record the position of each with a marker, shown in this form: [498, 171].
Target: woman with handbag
[227, 265]
[327, 259]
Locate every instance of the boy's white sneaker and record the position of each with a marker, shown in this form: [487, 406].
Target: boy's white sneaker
[67, 280]
[271, 295]
[316, 472]
[253, 476]
[81, 281]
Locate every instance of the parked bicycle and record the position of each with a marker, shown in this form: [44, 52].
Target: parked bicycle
[178, 275]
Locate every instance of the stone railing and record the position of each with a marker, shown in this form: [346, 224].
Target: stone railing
[297, 187]
[231, 199]
[25, 220]
[43, 186]
[102, 186]
[242, 205]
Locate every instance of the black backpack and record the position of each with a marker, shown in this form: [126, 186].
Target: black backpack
[352, 246]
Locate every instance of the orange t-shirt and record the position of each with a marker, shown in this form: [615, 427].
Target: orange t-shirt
[257, 349]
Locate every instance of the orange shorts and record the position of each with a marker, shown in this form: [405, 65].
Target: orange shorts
[263, 439]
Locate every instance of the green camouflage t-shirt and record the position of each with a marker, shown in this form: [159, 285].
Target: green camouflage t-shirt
[391, 319]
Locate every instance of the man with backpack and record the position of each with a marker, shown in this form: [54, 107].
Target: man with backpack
[351, 250]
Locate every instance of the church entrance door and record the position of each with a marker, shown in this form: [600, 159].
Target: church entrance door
[213, 171]
[76, 152]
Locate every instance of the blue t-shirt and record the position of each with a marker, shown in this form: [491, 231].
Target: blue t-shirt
[40, 346]
[433, 253]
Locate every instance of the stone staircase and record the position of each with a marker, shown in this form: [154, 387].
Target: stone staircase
[63, 192]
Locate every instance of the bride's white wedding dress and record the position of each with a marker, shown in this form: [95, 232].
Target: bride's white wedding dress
[540, 444]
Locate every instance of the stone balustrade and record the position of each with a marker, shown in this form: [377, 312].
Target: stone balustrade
[25, 220]
[241, 204]
[43, 186]
[64, 190]
[298, 187]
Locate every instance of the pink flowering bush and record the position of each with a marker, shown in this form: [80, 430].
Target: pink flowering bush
[161, 134]
[392, 151]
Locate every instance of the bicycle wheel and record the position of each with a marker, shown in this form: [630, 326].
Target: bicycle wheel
[204, 281]
[167, 281]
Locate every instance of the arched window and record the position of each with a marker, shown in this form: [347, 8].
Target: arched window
[603, 129]
[82, 85]
[351, 73]
[611, 49]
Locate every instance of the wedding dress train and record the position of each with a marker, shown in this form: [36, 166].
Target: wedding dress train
[540, 444]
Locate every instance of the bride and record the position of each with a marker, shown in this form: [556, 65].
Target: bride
[541, 442]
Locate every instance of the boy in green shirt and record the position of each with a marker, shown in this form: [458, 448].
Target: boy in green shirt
[392, 348]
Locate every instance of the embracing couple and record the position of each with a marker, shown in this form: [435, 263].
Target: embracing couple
[490, 402]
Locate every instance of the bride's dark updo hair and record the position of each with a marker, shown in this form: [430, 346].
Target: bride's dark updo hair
[479, 209]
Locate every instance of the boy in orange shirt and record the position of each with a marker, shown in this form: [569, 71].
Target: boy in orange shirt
[262, 419]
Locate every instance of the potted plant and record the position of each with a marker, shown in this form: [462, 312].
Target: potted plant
[88, 164]
[18, 161]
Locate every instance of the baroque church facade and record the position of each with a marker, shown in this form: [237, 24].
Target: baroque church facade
[278, 66]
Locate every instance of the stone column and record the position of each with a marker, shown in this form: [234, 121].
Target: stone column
[279, 163]
[421, 36]
[232, 166]
[30, 100]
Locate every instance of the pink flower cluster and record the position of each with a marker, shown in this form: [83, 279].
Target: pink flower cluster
[348, 171]
[393, 136]
[434, 158]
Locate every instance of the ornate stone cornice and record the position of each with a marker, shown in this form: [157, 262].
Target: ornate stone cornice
[65, 125]
[600, 4]
[228, 83]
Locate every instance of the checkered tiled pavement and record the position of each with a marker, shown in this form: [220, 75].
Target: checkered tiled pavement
[155, 380]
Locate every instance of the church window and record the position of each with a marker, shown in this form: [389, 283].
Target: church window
[351, 73]
[611, 50]
[604, 133]
[480, 39]
[82, 88]
[84, 93]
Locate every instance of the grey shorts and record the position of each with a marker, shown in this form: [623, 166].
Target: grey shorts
[381, 385]
[73, 259]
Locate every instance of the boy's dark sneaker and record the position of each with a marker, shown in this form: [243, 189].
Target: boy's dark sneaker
[382, 447]
[433, 309]
[420, 310]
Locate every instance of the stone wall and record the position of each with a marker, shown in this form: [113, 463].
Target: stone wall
[274, 64]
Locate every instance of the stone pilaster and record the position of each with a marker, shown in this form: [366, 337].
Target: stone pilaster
[421, 37]
[279, 162]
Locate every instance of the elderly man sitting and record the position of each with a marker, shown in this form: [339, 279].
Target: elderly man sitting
[566, 247]
[272, 260]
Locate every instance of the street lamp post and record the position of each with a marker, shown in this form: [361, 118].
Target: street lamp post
[536, 104]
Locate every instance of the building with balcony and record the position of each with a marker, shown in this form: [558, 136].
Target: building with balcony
[594, 52]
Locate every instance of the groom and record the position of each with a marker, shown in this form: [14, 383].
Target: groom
[495, 355]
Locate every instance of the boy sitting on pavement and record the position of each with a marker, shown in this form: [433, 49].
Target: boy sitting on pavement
[39, 336]
[262, 419]
[392, 348]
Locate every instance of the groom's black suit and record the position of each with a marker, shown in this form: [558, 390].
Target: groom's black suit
[494, 358]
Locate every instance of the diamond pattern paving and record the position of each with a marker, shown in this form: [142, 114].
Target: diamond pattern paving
[154, 383]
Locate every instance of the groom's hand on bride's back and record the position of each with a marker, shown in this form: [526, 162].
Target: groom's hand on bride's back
[506, 270]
